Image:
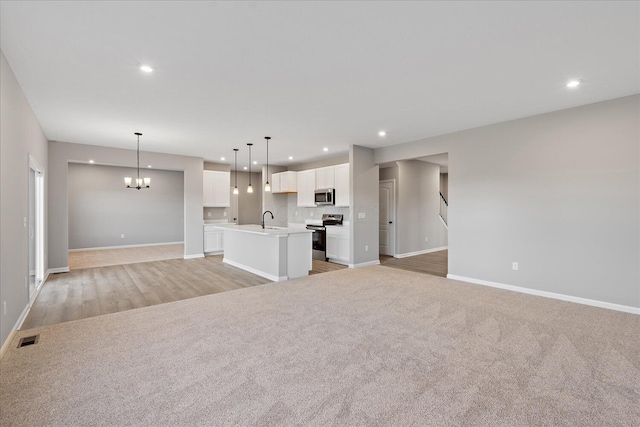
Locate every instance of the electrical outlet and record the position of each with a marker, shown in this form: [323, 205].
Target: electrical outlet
[26, 283]
[224, 214]
[209, 214]
[366, 248]
[514, 265]
[24, 221]
[426, 238]
[295, 213]
[122, 236]
[4, 308]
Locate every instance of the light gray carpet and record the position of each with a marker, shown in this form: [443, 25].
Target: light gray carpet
[372, 346]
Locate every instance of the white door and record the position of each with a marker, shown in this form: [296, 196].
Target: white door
[387, 217]
[36, 227]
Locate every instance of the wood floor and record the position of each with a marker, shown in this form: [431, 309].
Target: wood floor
[434, 263]
[119, 256]
[95, 291]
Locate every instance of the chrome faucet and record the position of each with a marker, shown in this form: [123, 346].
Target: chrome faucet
[265, 212]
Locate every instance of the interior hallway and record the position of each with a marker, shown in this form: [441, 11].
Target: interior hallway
[434, 263]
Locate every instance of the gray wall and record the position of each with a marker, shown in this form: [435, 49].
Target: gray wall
[364, 178]
[249, 206]
[20, 135]
[418, 205]
[444, 185]
[62, 153]
[389, 173]
[557, 192]
[101, 208]
[276, 203]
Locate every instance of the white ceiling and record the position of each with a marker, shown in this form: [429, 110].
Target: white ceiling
[309, 74]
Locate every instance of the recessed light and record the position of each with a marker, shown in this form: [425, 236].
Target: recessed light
[255, 162]
[573, 83]
[222, 158]
[91, 161]
[146, 68]
[290, 157]
[149, 166]
[382, 133]
[325, 149]
[245, 168]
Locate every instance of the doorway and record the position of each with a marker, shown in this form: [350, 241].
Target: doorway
[36, 227]
[387, 227]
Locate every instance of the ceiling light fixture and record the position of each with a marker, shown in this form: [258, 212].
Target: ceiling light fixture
[382, 133]
[140, 183]
[146, 68]
[290, 157]
[573, 83]
[149, 166]
[91, 161]
[325, 149]
[267, 186]
[235, 188]
[245, 168]
[222, 158]
[249, 188]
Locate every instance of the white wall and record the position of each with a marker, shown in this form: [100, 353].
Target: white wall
[61, 153]
[20, 136]
[102, 209]
[557, 192]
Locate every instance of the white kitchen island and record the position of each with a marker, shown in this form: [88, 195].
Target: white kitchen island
[276, 253]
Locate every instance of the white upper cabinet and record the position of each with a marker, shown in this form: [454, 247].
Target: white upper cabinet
[325, 177]
[307, 188]
[284, 182]
[216, 189]
[342, 184]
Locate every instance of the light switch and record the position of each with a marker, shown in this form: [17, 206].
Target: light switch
[361, 215]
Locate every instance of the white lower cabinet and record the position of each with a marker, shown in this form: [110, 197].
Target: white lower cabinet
[338, 243]
[213, 239]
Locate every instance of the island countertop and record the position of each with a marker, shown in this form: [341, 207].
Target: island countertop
[257, 229]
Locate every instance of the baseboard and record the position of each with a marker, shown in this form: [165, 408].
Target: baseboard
[56, 270]
[364, 264]
[214, 253]
[16, 327]
[192, 256]
[256, 271]
[337, 261]
[425, 251]
[125, 246]
[562, 297]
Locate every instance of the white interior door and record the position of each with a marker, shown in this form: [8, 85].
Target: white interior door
[36, 226]
[387, 228]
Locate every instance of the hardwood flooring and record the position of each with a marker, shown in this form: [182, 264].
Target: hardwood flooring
[95, 291]
[434, 263]
[119, 256]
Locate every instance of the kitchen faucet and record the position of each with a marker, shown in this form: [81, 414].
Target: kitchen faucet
[265, 212]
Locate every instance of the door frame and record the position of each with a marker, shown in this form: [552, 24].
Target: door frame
[39, 225]
[395, 215]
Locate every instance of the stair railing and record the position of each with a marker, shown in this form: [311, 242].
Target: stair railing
[443, 209]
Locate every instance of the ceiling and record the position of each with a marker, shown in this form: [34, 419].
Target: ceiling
[309, 74]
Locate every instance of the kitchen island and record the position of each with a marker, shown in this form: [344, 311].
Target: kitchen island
[276, 253]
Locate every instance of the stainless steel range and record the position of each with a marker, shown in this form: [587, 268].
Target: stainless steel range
[319, 236]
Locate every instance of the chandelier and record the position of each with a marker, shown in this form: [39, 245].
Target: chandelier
[140, 182]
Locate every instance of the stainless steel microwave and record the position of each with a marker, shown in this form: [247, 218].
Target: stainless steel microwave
[326, 196]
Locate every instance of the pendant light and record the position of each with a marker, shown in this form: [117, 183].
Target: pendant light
[249, 188]
[267, 186]
[235, 188]
[140, 182]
